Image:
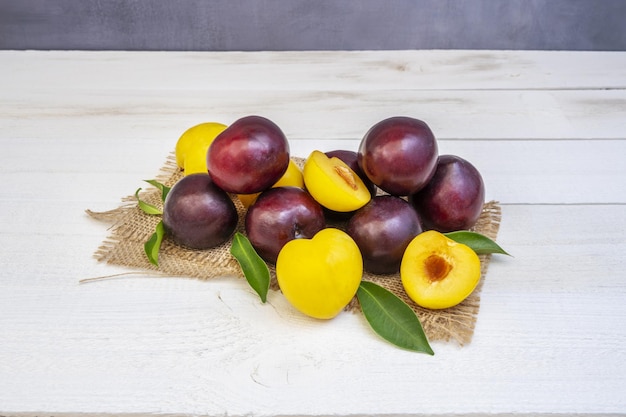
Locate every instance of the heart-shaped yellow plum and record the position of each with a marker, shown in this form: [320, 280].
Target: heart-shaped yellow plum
[320, 276]
[334, 184]
[438, 272]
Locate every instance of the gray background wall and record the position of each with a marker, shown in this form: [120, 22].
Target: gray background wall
[312, 24]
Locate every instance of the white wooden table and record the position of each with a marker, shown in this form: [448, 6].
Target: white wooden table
[81, 130]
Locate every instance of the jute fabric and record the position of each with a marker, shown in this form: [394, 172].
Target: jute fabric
[131, 228]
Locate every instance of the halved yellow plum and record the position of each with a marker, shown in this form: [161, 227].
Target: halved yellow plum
[438, 272]
[334, 184]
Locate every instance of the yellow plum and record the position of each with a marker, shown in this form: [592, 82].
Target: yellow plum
[320, 276]
[438, 272]
[192, 146]
[334, 184]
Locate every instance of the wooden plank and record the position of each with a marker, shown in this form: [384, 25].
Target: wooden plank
[314, 70]
[514, 172]
[155, 345]
[488, 114]
[148, 90]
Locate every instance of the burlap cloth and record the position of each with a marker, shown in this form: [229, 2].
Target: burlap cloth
[131, 228]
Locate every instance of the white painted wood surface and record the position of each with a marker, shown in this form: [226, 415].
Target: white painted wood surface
[83, 129]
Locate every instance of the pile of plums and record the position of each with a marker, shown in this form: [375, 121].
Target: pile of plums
[413, 189]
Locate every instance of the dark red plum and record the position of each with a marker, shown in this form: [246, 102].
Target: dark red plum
[399, 155]
[198, 214]
[249, 156]
[382, 229]
[454, 197]
[279, 215]
[351, 159]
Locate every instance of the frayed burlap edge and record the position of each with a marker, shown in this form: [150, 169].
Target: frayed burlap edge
[131, 228]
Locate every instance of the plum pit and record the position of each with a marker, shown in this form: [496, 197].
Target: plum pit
[346, 175]
[437, 267]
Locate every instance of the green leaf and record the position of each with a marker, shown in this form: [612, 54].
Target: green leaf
[153, 245]
[481, 244]
[164, 189]
[145, 207]
[253, 266]
[391, 318]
